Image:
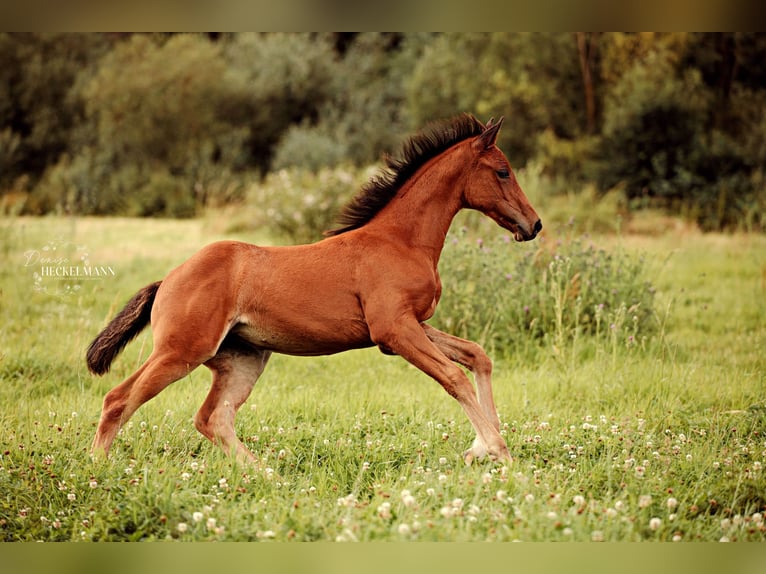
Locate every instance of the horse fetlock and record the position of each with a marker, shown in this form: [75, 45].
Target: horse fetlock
[478, 450]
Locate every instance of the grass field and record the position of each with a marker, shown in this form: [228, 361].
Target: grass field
[661, 442]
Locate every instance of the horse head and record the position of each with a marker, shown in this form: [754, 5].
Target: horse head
[492, 188]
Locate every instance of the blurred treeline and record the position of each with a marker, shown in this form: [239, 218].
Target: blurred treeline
[168, 124]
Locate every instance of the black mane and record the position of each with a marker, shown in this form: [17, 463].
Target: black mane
[416, 151]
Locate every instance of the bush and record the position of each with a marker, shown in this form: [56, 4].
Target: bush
[300, 205]
[505, 296]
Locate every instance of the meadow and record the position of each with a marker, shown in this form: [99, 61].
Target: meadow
[612, 440]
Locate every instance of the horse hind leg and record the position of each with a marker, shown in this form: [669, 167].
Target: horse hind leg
[159, 371]
[235, 371]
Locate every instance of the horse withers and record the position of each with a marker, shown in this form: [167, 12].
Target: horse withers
[374, 280]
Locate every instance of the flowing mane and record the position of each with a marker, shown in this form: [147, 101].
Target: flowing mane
[434, 139]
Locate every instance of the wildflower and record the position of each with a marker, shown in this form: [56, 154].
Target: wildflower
[182, 527]
[644, 500]
[407, 499]
[442, 478]
[347, 501]
[486, 478]
[611, 512]
[501, 495]
[677, 537]
[530, 497]
[384, 510]
[442, 460]
[655, 523]
[211, 522]
[93, 483]
[223, 483]
[619, 505]
[185, 476]
[671, 503]
[404, 529]
[197, 517]
[457, 503]
[449, 511]
[597, 536]
[567, 531]
[265, 534]
[71, 496]
[578, 499]
[430, 491]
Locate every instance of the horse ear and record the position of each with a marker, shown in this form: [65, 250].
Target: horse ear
[487, 139]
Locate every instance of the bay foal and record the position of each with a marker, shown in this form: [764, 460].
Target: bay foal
[372, 281]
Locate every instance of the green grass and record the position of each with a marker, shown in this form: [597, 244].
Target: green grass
[656, 442]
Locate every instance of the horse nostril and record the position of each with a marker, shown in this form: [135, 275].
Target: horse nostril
[538, 226]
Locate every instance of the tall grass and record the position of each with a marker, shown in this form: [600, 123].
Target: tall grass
[662, 441]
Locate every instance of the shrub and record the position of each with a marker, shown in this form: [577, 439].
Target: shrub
[300, 205]
[504, 296]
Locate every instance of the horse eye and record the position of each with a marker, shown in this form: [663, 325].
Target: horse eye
[503, 173]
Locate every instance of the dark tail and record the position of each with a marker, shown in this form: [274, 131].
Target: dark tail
[121, 330]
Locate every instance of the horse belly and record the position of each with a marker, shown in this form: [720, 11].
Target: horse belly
[305, 338]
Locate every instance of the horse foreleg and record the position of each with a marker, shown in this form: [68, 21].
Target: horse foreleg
[473, 357]
[234, 375]
[410, 340]
[159, 371]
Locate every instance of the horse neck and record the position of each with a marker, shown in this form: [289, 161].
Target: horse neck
[421, 212]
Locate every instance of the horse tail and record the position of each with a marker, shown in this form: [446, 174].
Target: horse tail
[121, 330]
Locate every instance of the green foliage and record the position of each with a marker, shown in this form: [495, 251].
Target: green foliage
[101, 123]
[499, 75]
[508, 296]
[298, 205]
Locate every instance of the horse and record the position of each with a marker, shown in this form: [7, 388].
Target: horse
[371, 281]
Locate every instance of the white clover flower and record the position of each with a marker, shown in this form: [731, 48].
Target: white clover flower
[197, 517]
[211, 522]
[486, 478]
[644, 500]
[404, 529]
[384, 510]
[501, 495]
[71, 496]
[93, 483]
[655, 523]
[597, 536]
[185, 476]
[671, 503]
[442, 460]
[578, 499]
[611, 512]
[182, 527]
